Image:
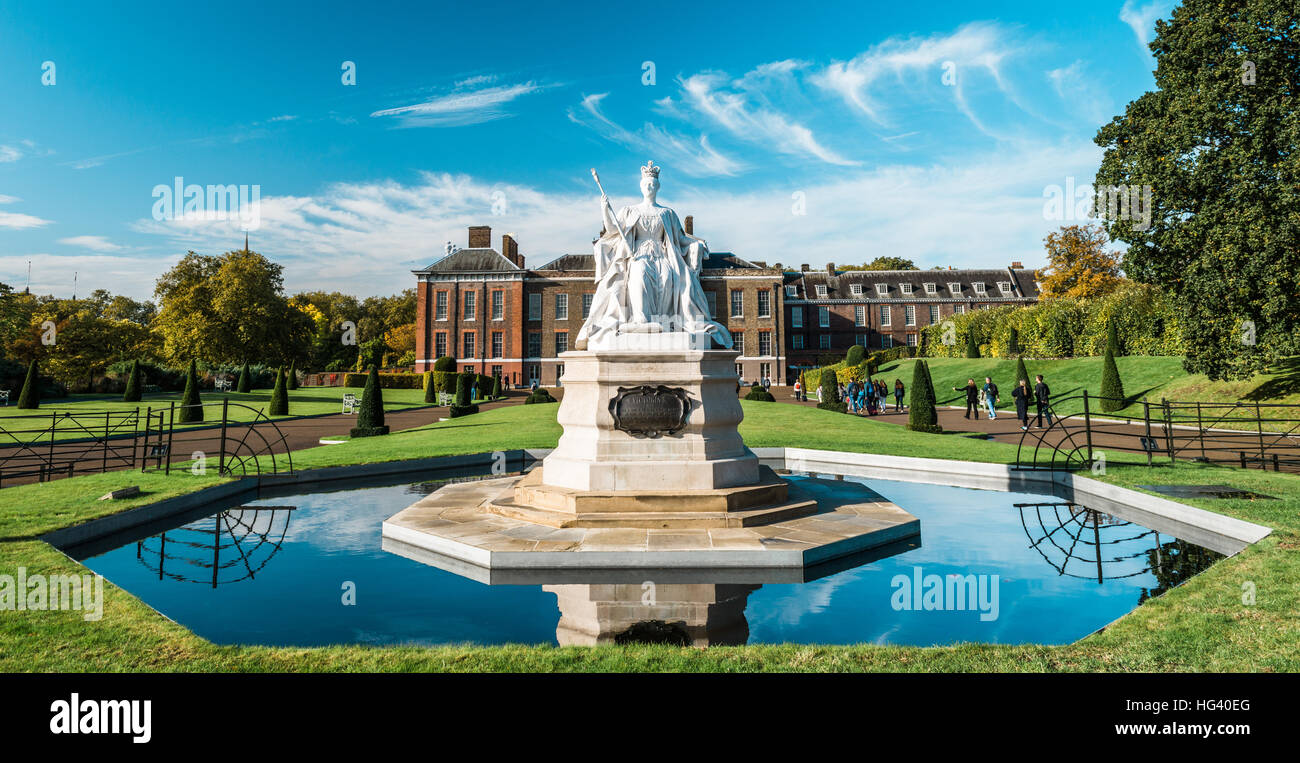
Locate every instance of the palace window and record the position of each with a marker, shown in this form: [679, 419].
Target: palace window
[882, 289]
[561, 307]
[934, 314]
[931, 289]
[909, 315]
[440, 306]
[792, 291]
[712, 298]
[821, 291]
[798, 341]
[764, 303]
[764, 343]
[440, 344]
[906, 288]
[498, 340]
[534, 307]
[534, 344]
[824, 317]
[885, 315]
[498, 305]
[954, 288]
[470, 298]
[737, 303]
[561, 342]
[468, 340]
[824, 341]
[860, 315]
[855, 289]
[586, 304]
[796, 317]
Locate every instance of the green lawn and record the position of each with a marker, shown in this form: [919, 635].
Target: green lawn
[1202, 625]
[305, 401]
[1143, 376]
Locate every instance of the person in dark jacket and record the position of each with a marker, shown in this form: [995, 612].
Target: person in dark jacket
[1042, 394]
[1021, 394]
[899, 391]
[972, 396]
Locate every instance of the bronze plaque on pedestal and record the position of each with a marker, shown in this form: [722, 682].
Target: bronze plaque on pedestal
[647, 411]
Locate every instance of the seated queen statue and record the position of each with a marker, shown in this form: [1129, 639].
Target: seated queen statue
[647, 275]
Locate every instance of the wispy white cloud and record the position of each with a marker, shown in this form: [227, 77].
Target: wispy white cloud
[975, 47]
[54, 273]
[693, 157]
[463, 107]
[18, 221]
[1080, 92]
[93, 243]
[363, 238]
[1142, 19]
[744, 108]
[9, 154]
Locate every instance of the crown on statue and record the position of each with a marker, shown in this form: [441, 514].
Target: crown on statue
[649, 170]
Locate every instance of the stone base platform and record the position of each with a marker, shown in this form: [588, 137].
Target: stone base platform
[460, 521]
[763, 502]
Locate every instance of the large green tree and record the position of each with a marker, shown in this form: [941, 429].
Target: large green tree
[1216, 143]
[220, 307]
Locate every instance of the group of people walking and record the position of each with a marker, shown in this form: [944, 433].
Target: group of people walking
[871, 397]
[987, 397]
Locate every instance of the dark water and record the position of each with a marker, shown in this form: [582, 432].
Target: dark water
[276, 571]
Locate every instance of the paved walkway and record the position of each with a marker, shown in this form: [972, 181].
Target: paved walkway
[298, 434]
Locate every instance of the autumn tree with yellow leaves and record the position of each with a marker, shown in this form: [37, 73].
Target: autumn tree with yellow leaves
[1078, 265]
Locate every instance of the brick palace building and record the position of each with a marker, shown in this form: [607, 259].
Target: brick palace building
[495, 315]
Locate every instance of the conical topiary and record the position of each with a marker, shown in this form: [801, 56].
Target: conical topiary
[280, 395]
[191, 409]
[1112, 339]
[1112, 389]
[133, 390]
[1013, 343]
[462, 406]
[496, 387]
[292, 379]
[370, 415]
[30, 397]
[1023, 373]
[921, 414]
[972, 347]
[430, 388]
[245, 383]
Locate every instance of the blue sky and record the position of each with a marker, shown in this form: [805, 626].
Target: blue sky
[808, 132]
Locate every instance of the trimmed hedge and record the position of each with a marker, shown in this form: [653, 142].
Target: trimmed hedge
[921, 414]
[540, 396]
[462, 406]
[402, 380]
[758, 393]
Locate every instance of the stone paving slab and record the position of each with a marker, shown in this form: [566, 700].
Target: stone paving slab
[454, 521]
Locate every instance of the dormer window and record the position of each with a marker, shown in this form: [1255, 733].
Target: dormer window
[882, 289]
[906, 287]
[978, 286]
[821, 291]
[855, 289]
[1005, 288]
[792, 291]
[931, 288]
[954, 288]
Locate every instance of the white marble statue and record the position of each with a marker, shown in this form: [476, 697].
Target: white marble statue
[647, 271]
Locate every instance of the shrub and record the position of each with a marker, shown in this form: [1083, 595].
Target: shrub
[1112, 389]
[280, 395]
[370, 415]
[1023, 373]
[30, 397]
[1013, 341]
[758, 393]
[831, 394]
[483, 383]
[430, 388]
[293, 375]
[462, 406]
[245, 383]
[191, 411]
[496, 387]
[972, 347]
[921, 415]
[386, 381]
[539, 396]
[133, 391]
[855, 355]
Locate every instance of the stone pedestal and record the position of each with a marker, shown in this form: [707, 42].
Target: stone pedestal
[702, 614]
[617, 416]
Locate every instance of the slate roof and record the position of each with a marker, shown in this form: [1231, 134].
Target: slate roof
[587, 262]
[471, 261]
[839, 285]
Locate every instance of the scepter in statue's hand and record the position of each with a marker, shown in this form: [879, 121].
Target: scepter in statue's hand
[617, 224]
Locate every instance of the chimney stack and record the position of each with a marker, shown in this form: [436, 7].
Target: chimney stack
[480, 237]
[1017, 265]
[830, 269]
[690, 225]
[510, 248]
[803, 267]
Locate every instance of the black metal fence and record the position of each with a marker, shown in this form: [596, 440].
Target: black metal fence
[1246, 434]
[39, 447]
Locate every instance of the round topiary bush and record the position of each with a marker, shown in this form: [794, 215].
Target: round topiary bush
[856, 353]
[462, 406]
[539, 396]
[758, 393]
